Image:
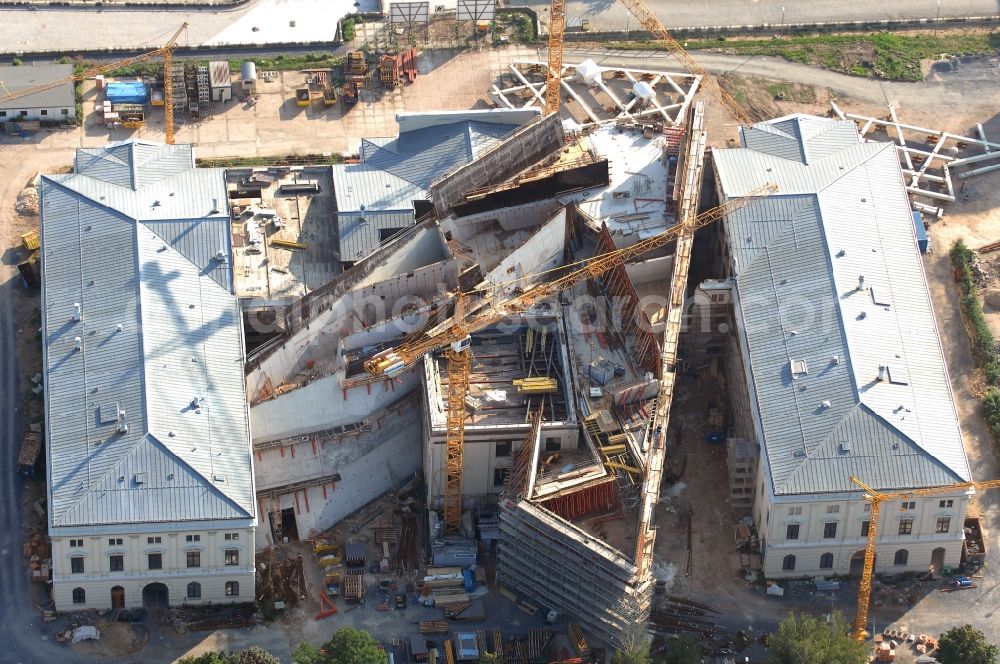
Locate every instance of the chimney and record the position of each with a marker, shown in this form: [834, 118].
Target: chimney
[77, 315]
[215, 206]
[882, 370]
[861, 282]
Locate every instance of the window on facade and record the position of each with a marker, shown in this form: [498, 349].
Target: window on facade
[76, 565]
[193, 538]
[911, 505]
[3, 114]
[826, 561]
[503, 448]
[864, 528]
[833, 509]
[868, 507]
[115, 541]
[830, 530]
[154, 540]
[943, 524]
[76, 543]
[44, 111]
[232, 536]
[24, 114]
[194, 590]
[155, 560]
[906, 526]
[945, 503]
[117, 563]
[500, 476]
[901, 557]
[552, 445]
[794, 511]
[792, 531]
[232, 557]
[65, 111]
[194, 558]
[788, 563]
[232, 588]
[79, 596]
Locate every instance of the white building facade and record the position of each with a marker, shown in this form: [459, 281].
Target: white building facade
[838, 346]
[55, 104]
[151, 497]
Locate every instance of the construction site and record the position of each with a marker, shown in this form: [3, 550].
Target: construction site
[486, 356]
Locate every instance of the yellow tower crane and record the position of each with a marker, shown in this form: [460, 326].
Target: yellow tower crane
[655, 27]
[876, 499]
[167, 51]
[455, 336]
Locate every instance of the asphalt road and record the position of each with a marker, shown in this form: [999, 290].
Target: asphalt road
[612, 15]
[76, 29]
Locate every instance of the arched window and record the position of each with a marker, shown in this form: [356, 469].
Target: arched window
[901, 557]
[826, 561]
[232, 588]
[788, 563]
[79, 596]
[194, 590]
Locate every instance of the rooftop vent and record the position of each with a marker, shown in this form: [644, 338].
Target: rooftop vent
[835, 359]
[220, 256]
[799, 368]
[861, 282]
[845, 447]
[77, 315]
[77, 343]
[215, 206]
[219, 479]
[799, 454]
[826, 404]
[139, 478]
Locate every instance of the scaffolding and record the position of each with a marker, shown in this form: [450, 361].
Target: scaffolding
[741, 462]
[545, 557]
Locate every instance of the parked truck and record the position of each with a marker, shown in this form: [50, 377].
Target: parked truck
[31, 449]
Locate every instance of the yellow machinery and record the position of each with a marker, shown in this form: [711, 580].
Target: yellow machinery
[456, 334]
[167, 51]
[876, 499]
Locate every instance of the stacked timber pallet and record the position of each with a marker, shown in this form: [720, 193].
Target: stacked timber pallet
[434, 627]
[538, 641]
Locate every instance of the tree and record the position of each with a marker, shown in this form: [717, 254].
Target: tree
[346, 646]
[254, 655]
[683, 650]
[490, 658]
[207, 658]
[805, 639]
[965, 645]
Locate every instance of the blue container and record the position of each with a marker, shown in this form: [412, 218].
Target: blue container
[918, 224]
[469, 579]
[127, 92]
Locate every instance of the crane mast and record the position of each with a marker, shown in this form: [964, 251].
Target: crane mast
[553, 72]
[876, 499]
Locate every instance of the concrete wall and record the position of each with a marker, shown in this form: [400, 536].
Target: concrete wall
[368, 466]
[531, 143]
[323, 404]
[508, 218]
[812, 513]
[544, 250]
[97, 579]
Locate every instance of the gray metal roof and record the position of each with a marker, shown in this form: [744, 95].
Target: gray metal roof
[159, 327]
[28, 76]
[817, 343]
[379, 193]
